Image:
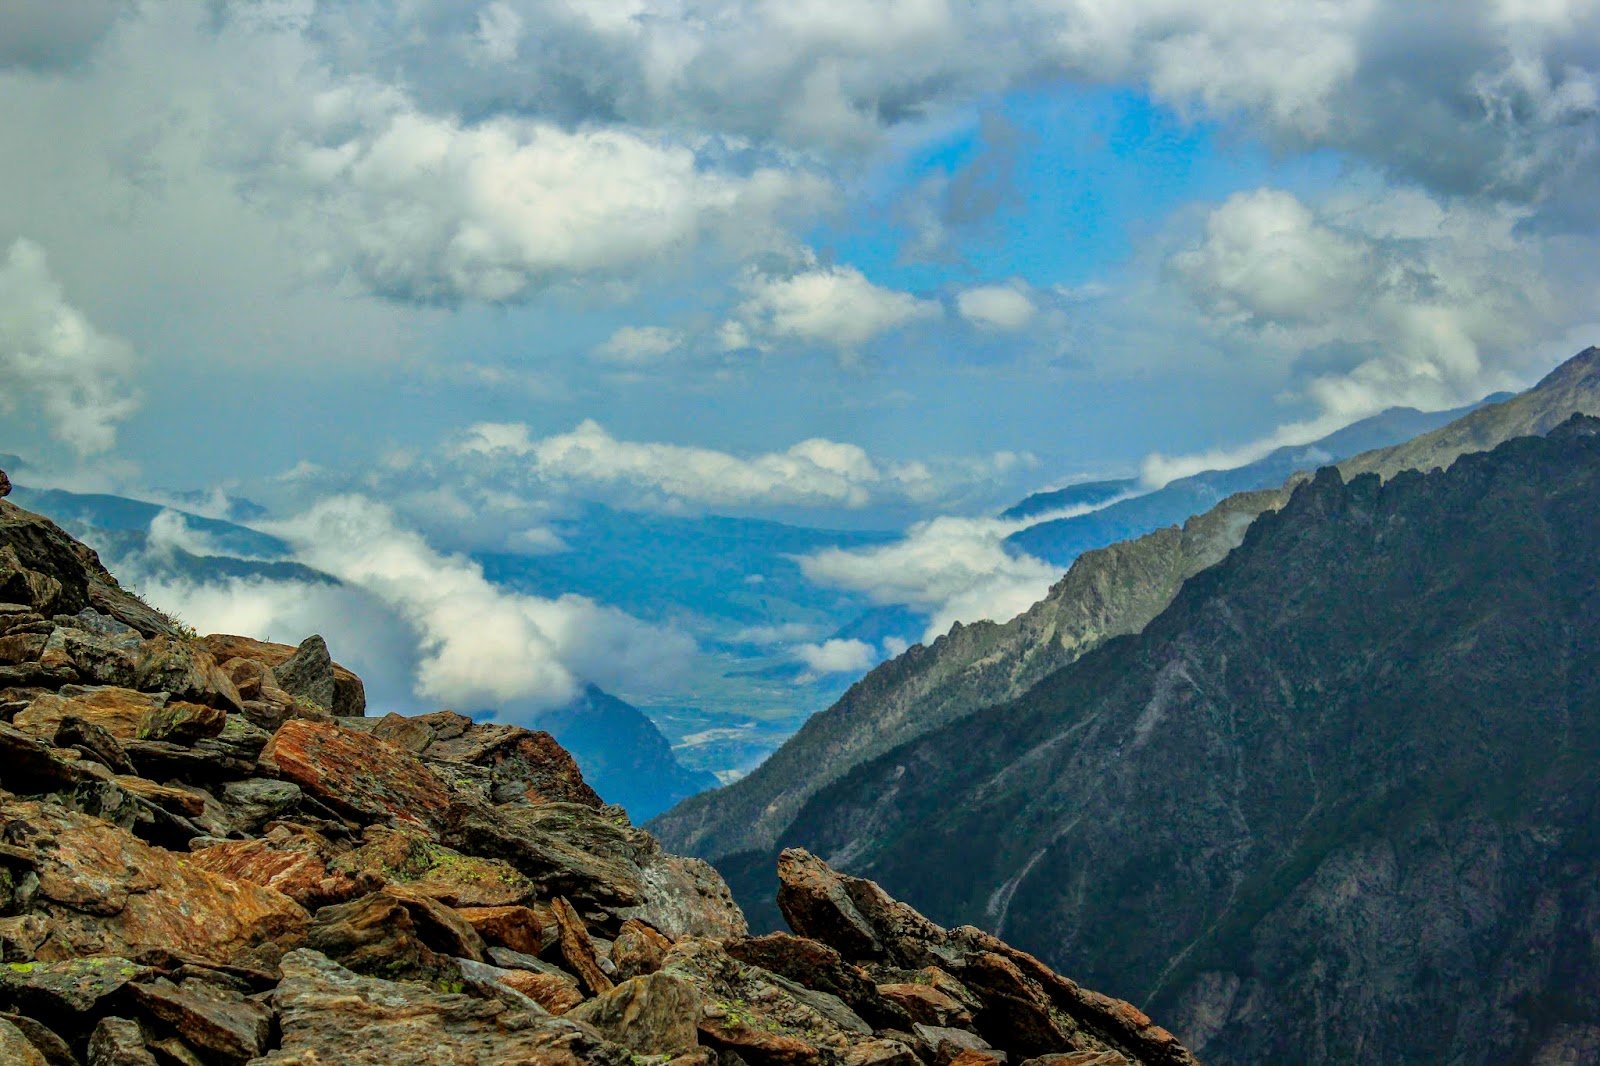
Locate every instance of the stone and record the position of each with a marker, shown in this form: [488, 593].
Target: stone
[118, 1042]
[390, 934]
[576, 948]
[556, 993]
[820, 967]
[67, 988]
[29, 766]
[408, 856]
[816, 904]
[215, 1021]
[45, 1040]
[16, 1049]
[182, 723]
[300, 874]
[118, 711]
[93, 741]
[172, 665]
[524, 765]
[638, 949]
[307, 675]
[368, 779]
[257, 800]
[327, 1014]
[517, 928]
[927, 1004]
[349, 694]
[657, 1014]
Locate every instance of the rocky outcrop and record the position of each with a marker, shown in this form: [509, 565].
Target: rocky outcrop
[206, 858]
[1336, 804]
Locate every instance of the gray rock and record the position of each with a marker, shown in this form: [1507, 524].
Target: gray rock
[308, 674]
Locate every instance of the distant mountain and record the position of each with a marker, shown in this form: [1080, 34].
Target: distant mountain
[622, 754]
[1107, 593]
[1084, 494]
[1336, 804]
[1064, 539]
[104, 513]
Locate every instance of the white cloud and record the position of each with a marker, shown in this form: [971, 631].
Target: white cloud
[54, 359]
[479, 646]
[998, 307]
[837, 656]
[639, 345]
[828, 305]
[812, 473]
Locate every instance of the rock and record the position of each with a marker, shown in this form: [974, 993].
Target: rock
[182, 723]
[118, 711]
[5, 485]
[67, 989]
[216, 1021]
[818, 966]
[408, 856]
[171, 665]
[517, 928]
[638, 950]
[657, 1014]
[576, 949]
[329, 1015]
[927, 1003]
[258, 800]
[523, 765]
[16, 1049]
[816, 903]
[107, 892]
[93, 741]
[368, 779]
[118, 1042]
[307, 675]
[45, 1040]
[349, 694]
[301, 874]
[555, 992]
[392, 934]
[30, 766]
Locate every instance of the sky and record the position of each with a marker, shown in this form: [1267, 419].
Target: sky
[892, 266]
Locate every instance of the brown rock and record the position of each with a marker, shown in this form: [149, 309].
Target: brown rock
[172, 665]
[30, 766]
[395, 935]
[302, 875]
[556, 993]
[408, 856]
[217, 1021]
[577, 949]
[369, 779]
[638, 950]
[118, 1042]
[68, 988]
[16, 1049]
[657, 1014]
[817, 966]
[106, 891]
[94, 742]
[182, 723]
[816, 903]
[329, 1015]
[349, 695]
[524, 765]
[927, 1004]
[517, 928]
[118, 711]
[45, 1040]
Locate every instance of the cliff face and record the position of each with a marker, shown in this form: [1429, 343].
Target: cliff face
[1107, 593]
[210, 854]
[1337, 803]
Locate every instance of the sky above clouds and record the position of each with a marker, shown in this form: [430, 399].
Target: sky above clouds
[473, 262]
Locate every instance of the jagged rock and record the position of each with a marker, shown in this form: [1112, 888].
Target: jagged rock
[68, 988]
[330, 1015]
[258, 800]
[116, 710]
[408, 856]
[554, 991]
[93, 741]
[349, 694]
[657, 1014]
[638, 949]
[5, 485]
[523, 764]
[307, 675]
[46, 1041]
[368, 779]
[30, 766]
[517, 928]
[106, 891]
[16, 1049]
[820, 967]
[576, 947]
[394, 934]
[182, 723]
[297, 871]
[118, 1042]
[216, 1021]
[173, 666]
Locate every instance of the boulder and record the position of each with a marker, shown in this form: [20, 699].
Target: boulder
[118, 1042]
[367, 779]
[657, 1014]
[408, 856]
[349, 699]
[220, 1023]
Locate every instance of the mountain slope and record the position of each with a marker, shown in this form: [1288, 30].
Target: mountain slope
[1107, 593]
[1337, 803]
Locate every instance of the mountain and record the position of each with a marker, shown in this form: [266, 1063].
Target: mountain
[202, 865]
[623, 754]
[1083, 494]
[1064, 539]
[1107, 593]
[1337, 803]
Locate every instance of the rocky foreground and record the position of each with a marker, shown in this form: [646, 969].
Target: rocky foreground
[209, 854]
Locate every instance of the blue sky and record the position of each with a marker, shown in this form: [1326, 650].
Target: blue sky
[864, 266]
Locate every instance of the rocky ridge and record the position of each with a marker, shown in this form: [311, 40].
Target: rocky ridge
[1107, 593]
[210, 854]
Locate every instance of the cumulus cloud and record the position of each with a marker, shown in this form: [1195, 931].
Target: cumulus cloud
[837, 656]
[998, 307]
[835, 306]
[477, 645]
[639, 345]
[53, 358]
[1373, 300]
[813, 473]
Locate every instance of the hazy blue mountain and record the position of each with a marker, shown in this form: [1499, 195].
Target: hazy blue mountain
[1064, 539]
[1084, 494]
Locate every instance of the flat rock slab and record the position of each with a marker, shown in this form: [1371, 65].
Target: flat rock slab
[367, 778]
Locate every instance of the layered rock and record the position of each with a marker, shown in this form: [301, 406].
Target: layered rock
[207, 855]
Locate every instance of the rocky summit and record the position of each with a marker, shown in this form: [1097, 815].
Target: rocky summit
[210, 853]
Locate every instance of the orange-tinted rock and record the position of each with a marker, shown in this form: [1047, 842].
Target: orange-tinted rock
[407, 856]
[301, 875]
[556, 993]
[523, 764]
[577, 949]
[349, 696]
[638, 949]
[116, 710]
[517, 928]
[656, 1014]
[107, 892]
[182, 723]
[361, 776]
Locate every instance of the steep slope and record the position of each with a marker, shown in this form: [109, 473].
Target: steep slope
[1106, 593]
[1064, 539]
[200, 865]
[623, 754]
[1336, 804]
